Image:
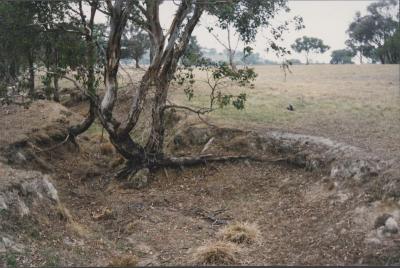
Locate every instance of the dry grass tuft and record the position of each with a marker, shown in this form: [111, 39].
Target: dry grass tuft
[216, 253]
[79, 229]
[107, 148]
[240, 233]
[124, 261]
[64, 213]
[131, 227]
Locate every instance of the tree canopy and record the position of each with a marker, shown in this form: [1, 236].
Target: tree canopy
[135, 43]
[342, 56]
[309, 45]
[368, 34]
[193, 53]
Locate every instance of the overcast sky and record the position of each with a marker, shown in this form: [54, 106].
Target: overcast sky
[327, 20]
[324, 19]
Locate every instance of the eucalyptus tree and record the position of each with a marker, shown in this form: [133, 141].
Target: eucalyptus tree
[19, 41]
[135, 43]
[309, 45]
[368, 34]
[167, 49]
[192, 54]
[342, 56]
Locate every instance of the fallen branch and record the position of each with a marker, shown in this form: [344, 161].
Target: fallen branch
[199, 111]
[39, 150]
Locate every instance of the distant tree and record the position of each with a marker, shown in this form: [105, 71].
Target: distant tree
[309, 45]
[19, 41]
[391, 49]
[368, 34]
[229, 44]
[242, 20]
[192, 53]
[135, 43]
[342, 56]
[295, 61]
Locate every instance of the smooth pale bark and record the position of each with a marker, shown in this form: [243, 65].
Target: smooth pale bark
[154, 146]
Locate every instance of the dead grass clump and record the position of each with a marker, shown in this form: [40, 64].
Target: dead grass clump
[131, 227]
[79, 229]
[216, 253]
[106, 148]
[240, 233]
[124, 261]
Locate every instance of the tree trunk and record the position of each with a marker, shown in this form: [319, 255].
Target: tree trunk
[152, 48]
[232, 60]
[31, 82]
[382, 59]
[56, 90]
[307, 59]
[154, 146]
[80, 128]
[137, 63]
[117, 24]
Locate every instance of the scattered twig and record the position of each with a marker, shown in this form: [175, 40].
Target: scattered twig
[207, 144]
[166, 173]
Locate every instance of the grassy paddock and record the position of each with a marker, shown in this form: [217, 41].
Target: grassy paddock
[359, 104]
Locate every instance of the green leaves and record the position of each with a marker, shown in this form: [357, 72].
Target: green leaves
[193, 54]
[310, 44]
[367, 34]
[247, 17]
[342, 56]
[220, 77]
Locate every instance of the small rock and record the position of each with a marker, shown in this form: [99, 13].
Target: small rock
[2, 248]
[50, 189]
[381, 220]
[139, 180]
[391, 226]
[381, 234]
[3, 205]
[11, 245]
[23, 209]
[374, 240]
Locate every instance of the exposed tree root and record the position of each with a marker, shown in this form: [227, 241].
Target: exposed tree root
[196, 160]
[171, 161]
